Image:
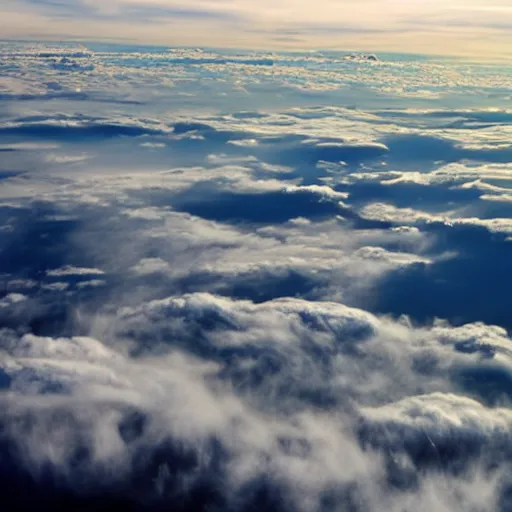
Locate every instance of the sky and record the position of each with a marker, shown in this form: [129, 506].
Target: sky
[480, 28]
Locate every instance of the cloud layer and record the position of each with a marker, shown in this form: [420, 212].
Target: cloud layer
[248, 281]
[461, 27]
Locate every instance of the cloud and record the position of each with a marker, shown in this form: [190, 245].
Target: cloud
[12, 298]
[73, 271]
[387, 212]
[411, 25]
[216, 285]
[257, 399]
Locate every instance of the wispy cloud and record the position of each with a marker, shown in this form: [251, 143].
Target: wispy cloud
[469, 27]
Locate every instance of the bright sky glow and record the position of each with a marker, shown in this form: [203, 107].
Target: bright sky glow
[461, 27]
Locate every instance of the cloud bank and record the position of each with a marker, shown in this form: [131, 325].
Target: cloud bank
[223, 290]
[460, 27]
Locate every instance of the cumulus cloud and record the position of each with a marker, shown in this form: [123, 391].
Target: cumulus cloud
[272, 396]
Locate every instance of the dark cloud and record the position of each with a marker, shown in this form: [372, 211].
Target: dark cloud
[78, 132]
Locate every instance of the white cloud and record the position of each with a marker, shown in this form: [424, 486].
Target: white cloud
[12, 299]
[267, 427]
[443, 417]
[389, 213]
[93, 283]
[55, 287]
[69, 270]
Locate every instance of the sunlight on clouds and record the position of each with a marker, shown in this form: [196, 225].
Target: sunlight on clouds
[251, 280]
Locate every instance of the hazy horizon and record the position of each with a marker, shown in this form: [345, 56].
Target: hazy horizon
[474, 28]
